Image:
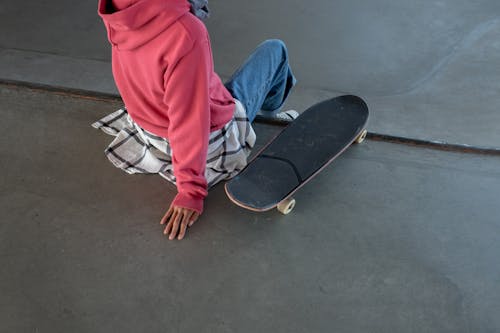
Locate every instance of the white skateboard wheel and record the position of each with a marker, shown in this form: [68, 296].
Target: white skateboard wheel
[361, 137]
[286, 206]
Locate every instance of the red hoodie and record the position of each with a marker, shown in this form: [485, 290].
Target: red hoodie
[163, 68]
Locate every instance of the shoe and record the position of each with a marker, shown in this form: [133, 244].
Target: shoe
[280, 117]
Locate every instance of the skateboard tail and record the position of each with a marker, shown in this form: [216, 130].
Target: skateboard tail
[247, 206]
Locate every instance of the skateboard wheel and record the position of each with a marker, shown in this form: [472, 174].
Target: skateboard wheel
[286, 206]
[361, 137]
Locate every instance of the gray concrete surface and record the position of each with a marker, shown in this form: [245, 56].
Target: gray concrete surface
[388, 239]
[428, 69]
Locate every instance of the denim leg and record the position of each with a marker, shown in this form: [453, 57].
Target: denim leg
[264, 80]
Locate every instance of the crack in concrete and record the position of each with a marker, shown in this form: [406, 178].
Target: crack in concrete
[467, 41]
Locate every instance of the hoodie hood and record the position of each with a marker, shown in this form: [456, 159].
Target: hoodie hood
[122, 4]
[132, 23]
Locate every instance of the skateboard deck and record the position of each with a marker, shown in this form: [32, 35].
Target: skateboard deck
[304, 148]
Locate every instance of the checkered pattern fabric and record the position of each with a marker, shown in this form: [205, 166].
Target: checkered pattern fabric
[136, 150]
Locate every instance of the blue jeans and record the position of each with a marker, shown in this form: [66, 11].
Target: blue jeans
[264, 80]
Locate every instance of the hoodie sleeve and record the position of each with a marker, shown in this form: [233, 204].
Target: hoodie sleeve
[187, 98]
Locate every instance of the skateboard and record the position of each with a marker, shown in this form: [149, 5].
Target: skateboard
[299, 152]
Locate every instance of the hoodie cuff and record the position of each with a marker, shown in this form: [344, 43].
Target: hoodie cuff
[186, 201]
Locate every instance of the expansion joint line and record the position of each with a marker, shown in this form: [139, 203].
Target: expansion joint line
[108, 97]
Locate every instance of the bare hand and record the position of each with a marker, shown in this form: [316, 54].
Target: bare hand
[177, 220]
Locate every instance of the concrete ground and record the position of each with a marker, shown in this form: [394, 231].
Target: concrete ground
[390, 238]
[428, 69]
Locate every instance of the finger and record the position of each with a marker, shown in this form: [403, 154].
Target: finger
[184, 223]
[194, 218]
[167, 215]
[170, 223]
[175, 227]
